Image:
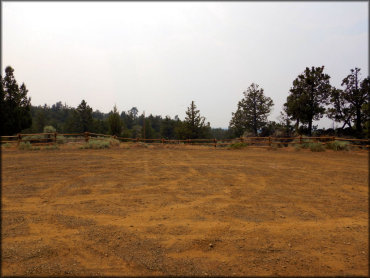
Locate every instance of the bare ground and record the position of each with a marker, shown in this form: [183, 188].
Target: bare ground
[184, 211]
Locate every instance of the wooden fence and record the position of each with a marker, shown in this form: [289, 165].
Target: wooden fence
[53, 138]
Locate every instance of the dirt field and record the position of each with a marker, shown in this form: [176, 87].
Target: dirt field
[184, 210]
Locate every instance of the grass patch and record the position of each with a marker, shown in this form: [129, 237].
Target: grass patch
[316, 147]
[61, 139]
[338, 146]
[101, 143]
[6, 145]
[237, 146]
[297, 148]
[27, 146]
[52, 147]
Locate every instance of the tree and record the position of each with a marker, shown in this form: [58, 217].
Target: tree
[340, 110]
[356, 93]
[253, 109]
[115, 122]
[168, 128]
[285, 122]
[309, 94]
[15, 105]
[194, 124]
[85, 116]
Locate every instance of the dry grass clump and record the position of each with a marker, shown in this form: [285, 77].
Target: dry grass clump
[338, 146]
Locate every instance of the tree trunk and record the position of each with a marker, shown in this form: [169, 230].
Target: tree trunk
[358, 120]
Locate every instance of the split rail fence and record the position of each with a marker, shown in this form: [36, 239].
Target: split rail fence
[54, 138]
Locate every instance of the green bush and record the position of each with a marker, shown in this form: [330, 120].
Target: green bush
[25, 146]
[316, 147]
[6, 145]
[338, 145]
[49, 129]
[97, 144]
[61, 139]
[305, 142]
[32, 137]
[239, 145]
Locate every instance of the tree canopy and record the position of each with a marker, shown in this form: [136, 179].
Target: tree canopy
[253, 109]
[15, 105]
[308, 96]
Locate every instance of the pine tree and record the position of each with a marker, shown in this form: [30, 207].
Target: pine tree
[15, 105]
[115, 122]
[253, 109]
[356, 93]
[194, 126]
[309, 94]
[85, 116]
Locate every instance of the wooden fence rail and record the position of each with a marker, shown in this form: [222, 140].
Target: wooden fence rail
[48, 138]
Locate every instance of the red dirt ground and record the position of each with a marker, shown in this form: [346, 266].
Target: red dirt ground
[184, 211]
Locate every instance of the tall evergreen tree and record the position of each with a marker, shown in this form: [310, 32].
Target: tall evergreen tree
[85, 116]
[309, 94]
[194, 124]
[115, 122]
[15, 105]
[253, 109]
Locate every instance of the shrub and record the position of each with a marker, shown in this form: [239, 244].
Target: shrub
[61, 139]
[6, 145]
[25, 146]
[49, 129]
[316, 147]
[96, 144]
[297, 147]
[52, 147]
[32, 137]
[338, 145]
[239, 145]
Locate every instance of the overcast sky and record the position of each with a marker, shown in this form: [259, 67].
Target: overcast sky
[159, 56]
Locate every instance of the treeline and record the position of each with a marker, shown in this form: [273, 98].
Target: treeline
[310, 98]
[128, 124]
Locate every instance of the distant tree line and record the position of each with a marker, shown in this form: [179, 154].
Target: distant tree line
[310, 98]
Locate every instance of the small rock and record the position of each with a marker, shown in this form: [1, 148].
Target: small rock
[282, 216]
[211, 245]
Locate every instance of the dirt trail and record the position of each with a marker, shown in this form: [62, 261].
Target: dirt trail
[188, 211]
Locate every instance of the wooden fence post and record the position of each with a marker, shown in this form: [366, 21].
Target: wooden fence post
[19, 139]
[241, 139]
[215, 142]
[300, 139]
[162, 141]
[137, 139]
[55, 137]
[270, 141]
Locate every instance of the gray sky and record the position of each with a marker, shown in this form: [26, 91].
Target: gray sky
[159, 56]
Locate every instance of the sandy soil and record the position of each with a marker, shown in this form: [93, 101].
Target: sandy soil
[184, 210]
